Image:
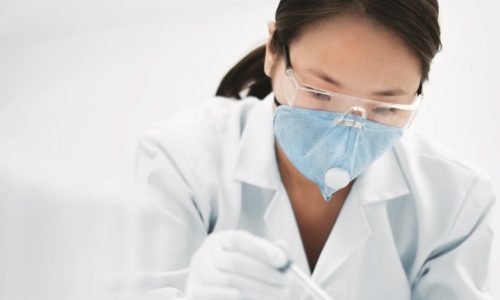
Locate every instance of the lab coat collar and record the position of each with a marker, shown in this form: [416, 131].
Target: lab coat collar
[256, 161]
[383, 180]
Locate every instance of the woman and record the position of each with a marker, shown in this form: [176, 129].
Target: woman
[324, 165]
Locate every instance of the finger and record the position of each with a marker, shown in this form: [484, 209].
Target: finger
[238, 263]
[256, 247]
[275, 294]
[248, 287]
[217, 260]
[215, 293]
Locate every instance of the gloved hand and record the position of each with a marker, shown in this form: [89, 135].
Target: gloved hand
[238, 265]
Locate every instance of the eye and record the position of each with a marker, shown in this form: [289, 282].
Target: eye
[318, 95]
[384, 110]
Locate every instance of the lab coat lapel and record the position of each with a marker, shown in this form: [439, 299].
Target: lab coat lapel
[256, 161]
[281, 224]
[256, 165]
[382, 181]
[350, 232]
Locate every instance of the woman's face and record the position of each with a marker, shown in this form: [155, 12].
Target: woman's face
[350, 55]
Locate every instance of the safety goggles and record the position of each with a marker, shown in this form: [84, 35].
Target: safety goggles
[299, 95]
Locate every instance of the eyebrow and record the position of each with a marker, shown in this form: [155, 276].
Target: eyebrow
[332, 81]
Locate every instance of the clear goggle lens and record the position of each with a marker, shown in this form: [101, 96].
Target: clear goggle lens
[396, 115]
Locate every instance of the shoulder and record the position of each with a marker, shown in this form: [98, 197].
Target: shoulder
[204, 132]
[450, 195]
[204, 125]
[424, 155]
[448, 212]
[200, 141]
[433, 169]
[191, 153]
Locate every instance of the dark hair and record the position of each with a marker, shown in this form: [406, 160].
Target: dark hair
[414, 21]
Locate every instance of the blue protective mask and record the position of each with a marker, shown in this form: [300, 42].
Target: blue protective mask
[327, 153]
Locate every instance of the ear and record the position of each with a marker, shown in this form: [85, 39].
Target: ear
[270, 56]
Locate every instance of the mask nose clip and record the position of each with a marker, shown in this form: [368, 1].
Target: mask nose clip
[353, 122]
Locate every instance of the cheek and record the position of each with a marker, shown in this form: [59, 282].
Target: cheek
[277, 77]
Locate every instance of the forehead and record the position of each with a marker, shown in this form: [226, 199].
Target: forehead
[349, 47]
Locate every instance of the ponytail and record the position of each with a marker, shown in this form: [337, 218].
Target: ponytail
[249, 74]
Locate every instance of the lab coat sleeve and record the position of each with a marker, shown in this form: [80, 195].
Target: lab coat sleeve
[459, 268]
[170, 221]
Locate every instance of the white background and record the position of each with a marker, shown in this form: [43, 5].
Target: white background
[81, 80]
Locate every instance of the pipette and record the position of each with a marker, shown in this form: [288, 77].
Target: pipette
[306, 281]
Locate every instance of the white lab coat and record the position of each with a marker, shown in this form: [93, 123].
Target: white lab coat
[414, 225]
